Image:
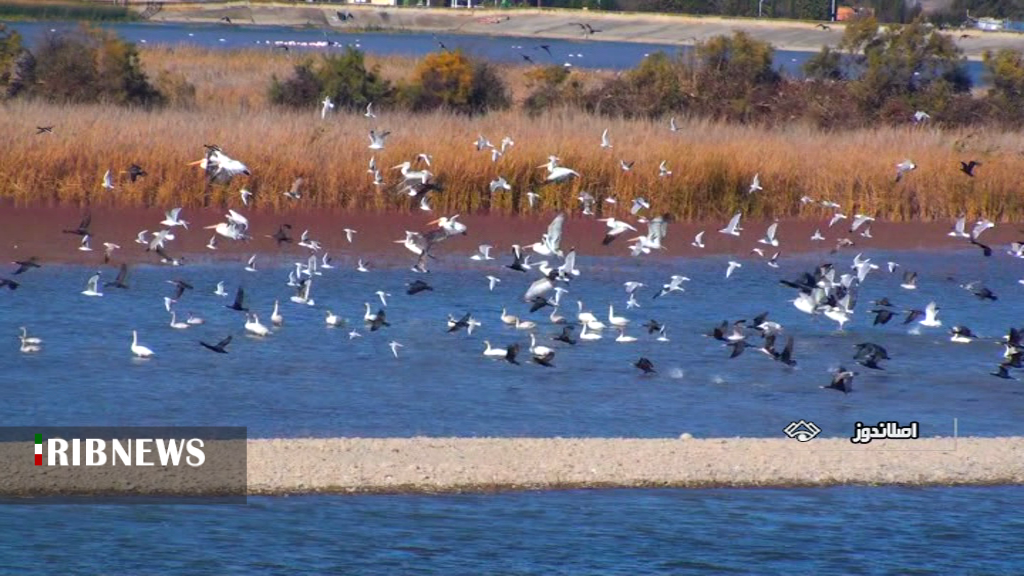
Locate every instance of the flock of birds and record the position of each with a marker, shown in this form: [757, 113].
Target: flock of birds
[548, 269]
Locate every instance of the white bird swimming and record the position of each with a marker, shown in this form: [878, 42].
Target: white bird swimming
[193, 320]
[275, 317]
[139, 350]
[175, 324]
[254, 327]
[333, 319]
[623, 338]
[494, 352]
[585, 333]
[617, 321]
[26, 339]
[92, 287]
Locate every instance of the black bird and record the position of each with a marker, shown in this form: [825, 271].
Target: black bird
[544, 360]
[913, 315]
[44, 129]
[527, 58]
[1003, 372]
[165, 257]
[986, 250]
[24, 265]
[824, 26]
[968, 167]
[135, 172]
[539, 302]
[225, 19]
[786, 356]
[281, 236]
[979, 290]
[645, 365]
[546, 48]
[842, 380]
[118, 282]
[219, 347]
[653, 326]
[461, 323]
[180, 287]
[10, 284]
[961, 334]
[510, 354]
[378, 321]
[882, 316]
[83, 226]
[442, 46]
[518, 260]
[417, 286]
[239, 300]
[566, 336]
[882, 302]
[868, 354]
[738, 346]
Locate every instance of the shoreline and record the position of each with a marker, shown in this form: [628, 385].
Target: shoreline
[634, 27]
[37, 231]
[427, 465]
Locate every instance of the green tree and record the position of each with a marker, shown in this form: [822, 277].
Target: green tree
[825, 65]
[17, 66]
[343, 77]
[734, 73]
[1004, 70]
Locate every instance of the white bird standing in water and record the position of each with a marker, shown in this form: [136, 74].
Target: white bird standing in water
[139, 350]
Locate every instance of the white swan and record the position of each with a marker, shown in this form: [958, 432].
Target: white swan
[494, 352]
[175, 324]
[26, 339]
[623, 338]
[139, 350]
[254, 327]
[617, 321]
[369, 316]
[509, 319]
[334, 320]
[275, 318]
[584, 335]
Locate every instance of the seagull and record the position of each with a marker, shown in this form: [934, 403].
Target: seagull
[626, 166]
[698, 240]
[859, 220]
[369, 111]
[732, 266]
[769, 236]
[663, 170]
[958, 228]
[499, 184]
[836, 218]
[295, 192]
[251, 265]
[394, 347]
[246, 195]
[909, 280]
[615, 228]
[817, 235]
[733, 228]
[361, 266]
[930, 313]
[84, 244]
[173, 219]
[327, 105]
[484, 253]
[377, 140]
[220, 290]
[904, 167]
[349, 233]
[842, 380]
[92, 287]
[108, 181]
[605, 142]
[755, 185]
[492, 281]
[382, 294]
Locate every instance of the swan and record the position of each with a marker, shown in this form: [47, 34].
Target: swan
[139, 350]
[509, 319]
[194, 320]
[334, 320]
[275, 318]
[617, 321]
[623, 338]
[254, 327]
[26, 339]
[584, 335]
[584, 317]
[525, 324]
[28, 348]
[541, 351]
[175, 324]
[555, 317]
[494, 352]
[369, 316]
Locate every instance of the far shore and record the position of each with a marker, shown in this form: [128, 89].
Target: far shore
[37, 231]
[670, 29]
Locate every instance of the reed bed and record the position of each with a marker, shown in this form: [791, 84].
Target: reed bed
[712, 163]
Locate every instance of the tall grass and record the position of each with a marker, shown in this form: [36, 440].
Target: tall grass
[712, 163]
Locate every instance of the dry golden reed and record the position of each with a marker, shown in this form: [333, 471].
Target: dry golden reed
[712, 163]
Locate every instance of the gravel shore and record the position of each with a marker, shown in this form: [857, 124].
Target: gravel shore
[672, 29]
[354, 465]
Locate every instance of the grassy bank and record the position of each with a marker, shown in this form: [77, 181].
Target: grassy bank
[712, 163]
[77, 11]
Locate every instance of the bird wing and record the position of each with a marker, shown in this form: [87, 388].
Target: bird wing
[223, 343]
[539, 287]
[555, 231]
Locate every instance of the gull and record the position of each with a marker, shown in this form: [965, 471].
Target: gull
[909, 280]
[817, 235]
[245, 195]
[867, 233]
[631, 302]
[588, 203]
[326, 262]
[84, 244]
[632, 286]
[921, 116]
[295, 192]
[698, 240]
[532, 197]
[806, 200]
[836, 218]
[378, 178]
[733, 228]
[220, 289]
[981, 226]
[482, 143]
[491, 282]
[483, 254]
[377, 140]
[549, 244]
[615, 228]
[672, 124]
[137, 349]
[958, 228]
[675, 284]
[626, 166]
[369, 111]
[605, 142]
[663, 170]
[212, 244]
[361, 266]
[92, 287]
[302, 294]
[354, 334]
[769, 235]
[394, 347]
[830, 204]
[499, 184]
[732, 266]
[382, 294]
[327, 105]
[108, 181]
[251, 265]
[236, 219]
[774, 260]
[755, 185]
[930, 313]
[962, 335]
[904, 167]
[141, 238]
[657, 228]
[306, 242]
[349, 233]
[173, 219]
[639, 204]
[859, 220]
[424, 157]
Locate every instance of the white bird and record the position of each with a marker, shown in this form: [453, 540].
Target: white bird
[141, 238]
[84, 245]
[491, 282]
[382, 294]
[108, 250]
[254, 326]
[859, 220]
[211, 244]
[930, 313]
[623, 338]
[615, 228]
[586, 335]
[251, 264]
[769, 235]
[354, 334]
[175, 324]
[219, 167]
[369, 111]
[557, 173]
[617, 321]
[921, 116]
[904, 167]
[108, 181]
[348, 234]
[405, 167]
[755, 185]
[639, 204]
[275, 317]
[325, 262]
[92, 287]
[508, 319]
[958, 228]
[733, 265]
[484, 253]
[394, 347]
[327, 105]
[377, 139]
[672, 124]
[733, 228]
[836, 218]
[26, 339]
[605, 142]
[817, 235]
[174, 219]
[698, 240]
[361, 266]
[139, 350]
[333, 319]
[663, 170]
[220, 291]
[499, 183]
[494, 352]
[532, 197]
[245, 195]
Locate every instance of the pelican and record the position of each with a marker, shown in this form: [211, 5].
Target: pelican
[237, 219]
[557, 173]
[275, 317]
[219, 167]
[421, 175]
[493, 352]
[228, 230]
[254, 327]
[92, 287]
[617, 321]
[174, 219]
[483, 254]
[175, 324]
[139, 350]
[333, 319]
[450, 226]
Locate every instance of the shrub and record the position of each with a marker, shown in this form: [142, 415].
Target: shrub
[654, 88]
[450, 80]
[343, 77]
[732, 74]
[17, 67]
[1005, 71]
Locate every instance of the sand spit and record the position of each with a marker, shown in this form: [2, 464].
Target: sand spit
[429, 465]
[615, 27]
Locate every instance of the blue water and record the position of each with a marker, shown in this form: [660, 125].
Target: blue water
[580, 53]
[309, 379]
[842, 531]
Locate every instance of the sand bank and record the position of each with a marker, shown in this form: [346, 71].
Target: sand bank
[37, 231]
[615, 27]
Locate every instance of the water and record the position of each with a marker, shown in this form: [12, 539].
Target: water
[312, 380]
[604, 55]
[843, 530]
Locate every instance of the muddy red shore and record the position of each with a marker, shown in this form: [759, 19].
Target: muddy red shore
[38, 231]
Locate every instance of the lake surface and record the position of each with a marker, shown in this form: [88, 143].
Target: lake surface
[581, 53]
[842, 530]
[309, 379]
